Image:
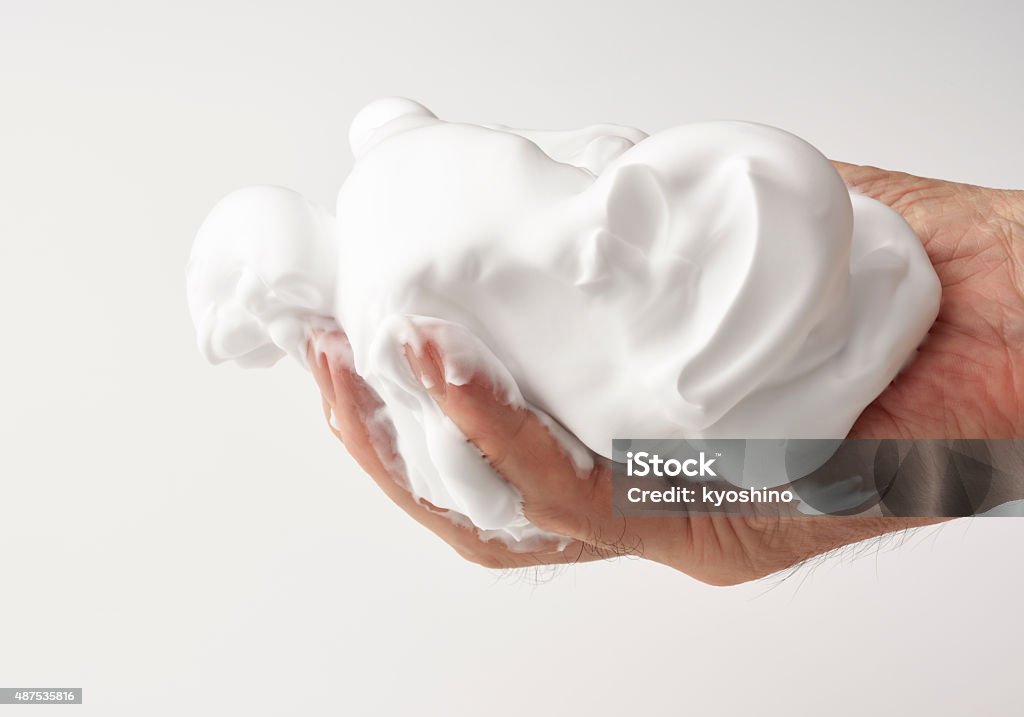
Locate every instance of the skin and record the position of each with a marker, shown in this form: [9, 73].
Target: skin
[968, 381]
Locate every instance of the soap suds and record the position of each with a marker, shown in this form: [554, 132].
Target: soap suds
[714, 280]
[261, 276]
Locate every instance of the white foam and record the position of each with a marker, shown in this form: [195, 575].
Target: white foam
[714, 280]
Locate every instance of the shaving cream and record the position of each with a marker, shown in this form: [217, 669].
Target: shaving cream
[713, 280]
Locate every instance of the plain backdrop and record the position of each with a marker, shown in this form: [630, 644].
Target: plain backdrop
[182, 539]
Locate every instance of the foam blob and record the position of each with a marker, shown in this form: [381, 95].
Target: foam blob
[261, 274]
[714, 280]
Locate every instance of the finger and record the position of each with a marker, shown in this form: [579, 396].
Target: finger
[346, 402]
[556, 495]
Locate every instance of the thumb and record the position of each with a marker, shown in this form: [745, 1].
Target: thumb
[899, 190]
[884, 185]
[915, 198]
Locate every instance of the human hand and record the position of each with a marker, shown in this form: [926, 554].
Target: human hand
[962, 385]
[967, 380]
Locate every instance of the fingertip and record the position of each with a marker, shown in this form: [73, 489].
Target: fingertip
[322, 374]
[428, 368]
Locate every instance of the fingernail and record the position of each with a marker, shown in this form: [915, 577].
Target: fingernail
[321, 369]
[427, 368]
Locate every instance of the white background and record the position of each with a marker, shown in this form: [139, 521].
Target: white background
[179, 539]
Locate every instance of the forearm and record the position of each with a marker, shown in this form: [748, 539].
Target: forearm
[812, 536]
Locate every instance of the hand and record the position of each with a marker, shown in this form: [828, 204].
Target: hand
[968, 378]
[964, 384]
